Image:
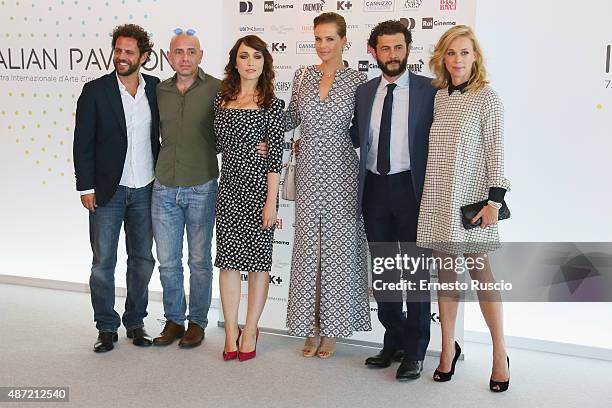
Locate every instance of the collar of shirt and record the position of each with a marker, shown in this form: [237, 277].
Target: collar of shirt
[461, 87]
[402, 82]
[141, 85]
[201, 77]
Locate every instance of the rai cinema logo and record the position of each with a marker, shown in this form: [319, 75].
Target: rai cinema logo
[448, 5]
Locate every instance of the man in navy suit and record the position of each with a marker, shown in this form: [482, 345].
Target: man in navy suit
[116, 143]
[393, 114]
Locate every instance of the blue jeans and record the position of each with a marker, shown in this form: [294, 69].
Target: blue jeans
[173, 210]
[132, 208]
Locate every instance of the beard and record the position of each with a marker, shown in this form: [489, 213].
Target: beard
[393, 72]
[130, 69]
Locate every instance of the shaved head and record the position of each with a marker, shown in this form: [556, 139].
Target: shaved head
[184, 40]
[185, 55]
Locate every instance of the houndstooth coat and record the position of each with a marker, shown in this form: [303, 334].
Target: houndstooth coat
[466, 158]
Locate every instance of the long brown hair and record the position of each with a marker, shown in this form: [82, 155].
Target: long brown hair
[230, 86]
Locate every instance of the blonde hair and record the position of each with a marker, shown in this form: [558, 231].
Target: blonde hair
[478, 79]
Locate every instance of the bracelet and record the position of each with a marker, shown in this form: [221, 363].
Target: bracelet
[495, 205]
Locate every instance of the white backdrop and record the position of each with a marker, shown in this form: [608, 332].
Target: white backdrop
[546, 59]
[44, 227]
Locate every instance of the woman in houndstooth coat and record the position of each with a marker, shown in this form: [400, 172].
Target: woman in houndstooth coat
[465, 165]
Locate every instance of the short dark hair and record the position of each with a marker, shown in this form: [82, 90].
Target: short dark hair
[334, 18]
[389, 27]
[139, 34]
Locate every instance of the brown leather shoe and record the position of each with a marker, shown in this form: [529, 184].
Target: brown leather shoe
[193, 336]
[171, 332]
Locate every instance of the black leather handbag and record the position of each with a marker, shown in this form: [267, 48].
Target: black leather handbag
[469, 211]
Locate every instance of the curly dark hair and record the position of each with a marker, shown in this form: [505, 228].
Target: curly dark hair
[139, 34]
[389, 27]
[230, 86]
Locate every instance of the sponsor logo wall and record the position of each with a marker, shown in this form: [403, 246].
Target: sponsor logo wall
[287, 27]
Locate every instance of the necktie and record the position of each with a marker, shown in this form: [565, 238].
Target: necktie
[383, 159]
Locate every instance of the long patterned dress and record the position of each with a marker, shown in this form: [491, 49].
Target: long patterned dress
[326, 207]
[466, 158]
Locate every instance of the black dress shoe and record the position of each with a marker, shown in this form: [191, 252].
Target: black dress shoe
[409, 370]
[384, 358]
[140, 337]
[105, 341]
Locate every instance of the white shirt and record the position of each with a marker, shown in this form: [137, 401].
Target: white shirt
[399, 148]
[138, 169]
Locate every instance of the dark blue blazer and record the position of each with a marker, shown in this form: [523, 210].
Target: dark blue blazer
[420, 117]
[100, 135]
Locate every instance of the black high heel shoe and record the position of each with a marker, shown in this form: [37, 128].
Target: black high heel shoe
[440, 376]
[502, 385]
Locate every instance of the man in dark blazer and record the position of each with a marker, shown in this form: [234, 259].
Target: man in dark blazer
[116, 143]
[393, 114]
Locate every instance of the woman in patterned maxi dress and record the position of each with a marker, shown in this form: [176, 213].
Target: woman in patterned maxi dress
[465, 165]
[328, 285]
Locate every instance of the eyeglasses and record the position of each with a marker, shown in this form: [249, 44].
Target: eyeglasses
[189, 31]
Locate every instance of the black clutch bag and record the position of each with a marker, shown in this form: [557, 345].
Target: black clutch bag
[469, 211]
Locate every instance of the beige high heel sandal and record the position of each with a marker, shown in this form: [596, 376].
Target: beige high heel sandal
[326, 351]
[309, 350]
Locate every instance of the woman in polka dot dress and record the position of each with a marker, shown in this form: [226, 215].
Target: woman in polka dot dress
[246, 113]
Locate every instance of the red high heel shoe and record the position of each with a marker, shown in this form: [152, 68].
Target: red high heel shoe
[231, 355]
[244, 356]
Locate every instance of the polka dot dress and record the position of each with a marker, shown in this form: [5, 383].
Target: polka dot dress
[241, 243]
